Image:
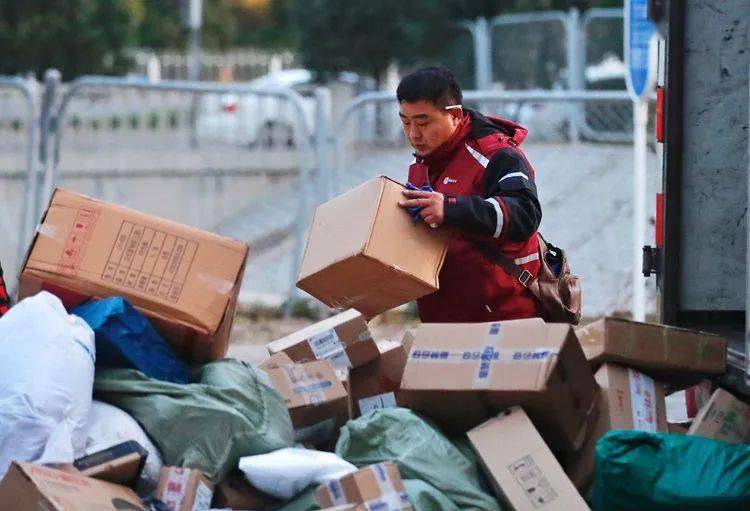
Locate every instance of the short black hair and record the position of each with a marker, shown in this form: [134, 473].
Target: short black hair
[434, 84]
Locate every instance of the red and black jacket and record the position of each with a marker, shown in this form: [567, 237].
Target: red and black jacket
[4, 298]
[491, 200]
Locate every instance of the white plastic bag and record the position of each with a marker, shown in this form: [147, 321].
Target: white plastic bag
[286, 472]
[107, 426]
[47, 359]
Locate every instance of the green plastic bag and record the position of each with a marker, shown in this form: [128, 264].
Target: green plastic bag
[642, 471]
[422, 496]
[229, 411]
[421, 452]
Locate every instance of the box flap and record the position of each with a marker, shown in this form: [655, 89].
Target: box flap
[341, 227]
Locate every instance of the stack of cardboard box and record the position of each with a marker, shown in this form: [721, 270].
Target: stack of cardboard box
[533, 398]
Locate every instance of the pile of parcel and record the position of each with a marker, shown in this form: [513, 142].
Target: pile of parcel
[516, 415]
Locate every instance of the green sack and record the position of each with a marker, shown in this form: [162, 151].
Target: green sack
[421, 452]
[642, 471]
[422, 496]
[227, 412]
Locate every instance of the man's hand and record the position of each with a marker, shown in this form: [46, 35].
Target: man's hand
[430, 202]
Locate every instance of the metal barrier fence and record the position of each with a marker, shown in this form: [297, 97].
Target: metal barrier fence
[18, 132]
[202, 146]
[217, 152]
[557, 50]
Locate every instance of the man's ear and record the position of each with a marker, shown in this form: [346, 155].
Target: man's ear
[456, 115]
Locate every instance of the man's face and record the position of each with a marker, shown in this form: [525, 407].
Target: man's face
[427, 126]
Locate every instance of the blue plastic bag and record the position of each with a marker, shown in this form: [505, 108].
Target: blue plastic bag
[126, 339]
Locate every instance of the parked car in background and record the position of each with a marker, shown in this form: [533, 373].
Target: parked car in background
[254, 120]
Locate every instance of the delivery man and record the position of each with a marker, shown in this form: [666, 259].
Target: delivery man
[473, 178]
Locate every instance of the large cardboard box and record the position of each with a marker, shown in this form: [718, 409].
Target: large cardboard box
[317, 400]
[344, 339]
[364, 251]
[29, 487]
[120, 464]
[183, 279]
[665, 352]
[376, 385]
[184, 489]
[628, 400]
[724, 418]
[376, 487]
[462, 374]
[522, 469]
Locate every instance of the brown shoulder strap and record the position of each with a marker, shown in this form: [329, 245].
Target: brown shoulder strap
[511, 268]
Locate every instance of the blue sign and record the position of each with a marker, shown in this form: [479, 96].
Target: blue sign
[638, 32]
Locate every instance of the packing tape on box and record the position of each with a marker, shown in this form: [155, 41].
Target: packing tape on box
[390, 499]
[217, 284]
[336, 493]
[642, 401]
[310, 387]
[488, 356]
[389, 502]
[52, 232]
[327, 346]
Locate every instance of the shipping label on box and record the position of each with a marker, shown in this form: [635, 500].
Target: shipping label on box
[184, 489]
[27, 487]
[174, 274]
[724, 417]
[344, 339]
[376, 487]
[364, 251]
[485, 367]
[520, 466]
[376, 384]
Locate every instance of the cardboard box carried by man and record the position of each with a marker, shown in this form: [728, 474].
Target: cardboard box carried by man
[364, 252]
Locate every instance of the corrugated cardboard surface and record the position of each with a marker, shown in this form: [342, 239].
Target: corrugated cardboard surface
[724, 418]
[313, 393]
[616, 411]
[379, 483]
[347, 330]
[29, 487]
[660, 350]
[520, 466]
[172, 273]
[364, 252]
[460, 374]
[376, 385]
[184, 489]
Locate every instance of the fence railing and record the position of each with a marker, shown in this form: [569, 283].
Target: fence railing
[25, 123]
[276, 206]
